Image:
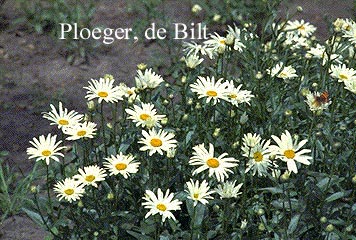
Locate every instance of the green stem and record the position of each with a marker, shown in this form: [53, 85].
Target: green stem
[103, 127]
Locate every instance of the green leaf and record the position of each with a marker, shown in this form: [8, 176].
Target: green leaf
[272, 190]
[293, 224]
[138, 235]
[336, 196]
[34, 216]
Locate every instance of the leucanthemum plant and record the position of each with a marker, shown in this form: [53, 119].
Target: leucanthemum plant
[251, 135]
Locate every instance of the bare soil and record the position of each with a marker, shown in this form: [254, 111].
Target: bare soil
[34, 74]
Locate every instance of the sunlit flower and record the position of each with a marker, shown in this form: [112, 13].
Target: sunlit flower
[121, 164]
[258, 157]
[283, 72]
[62, 117]
[317, 101]
[218, 166]
[161, 204]
[350, 32]
[207, 87]
[295, 41]
[290, 152]
[342, 24]
[196, 8]
[317, 52]
[103, 90]
[198, 192]
[145, 116]
[148, 79]
[302, 28]
[192, 61]
[69, 189]
[90, 175]
[228, 189]
[45, 148]
[236, 96]
[157, 141]
[81, 130]
[128, 92]
[342, 73]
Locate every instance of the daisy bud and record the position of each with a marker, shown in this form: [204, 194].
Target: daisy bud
[164, 121]
[190, 102]
[315, 85]
[355, 122]
[216, 208]
[109, 125]
[216, 132]
[299, 9]
[110, 196]
[343, 127]
[288, 112]
[171, 153]
[185, 117]
[261, 227]
[233, 113]
[243, 118]
[308, 56]
[142, 66]
[337, 145]
[259, 75]
[318, 134]
[235, 145]
[91, 106]
[354, 179]
[33, 189]
[196, 8]
[171, 96]
[330, 228]
[323, 219]
[96, 234]
[285, 176]
[320, 125]
[305, 91]
[349, 228]
[109, 76]
[260, 212]
[80, 204]
[216, 17]
[184, 79]
[86, 118]
[198, 106]
[165, 102]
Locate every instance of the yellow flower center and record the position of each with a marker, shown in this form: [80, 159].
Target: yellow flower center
[195, 195]
[343, 76]
[81, 133]
[144, 116]
[301, 27]
[129, 92]
[161, 207]
[103, 94]
[121, 166]
[258, 156]
[63, 122]
[69, 191]
[290, 154]
[155, 142]
[223, 41]
[211, 93]
[283, 75]
[213, 162]
[46, 153]
[232, 95]
[89, 178]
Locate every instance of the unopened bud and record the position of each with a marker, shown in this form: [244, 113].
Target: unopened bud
[330, 228]
[142, 66]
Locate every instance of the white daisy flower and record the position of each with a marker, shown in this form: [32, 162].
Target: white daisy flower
[350, 32]
[192, 61]
[193, 48]
[81, 130]
[145, 116]
[69, 189]
[157, 141]
[234, 36]
[90, 175]
[45, 148]
[236, 96]
[258, 157]
[295, 41]
[207, 87]
[218, 166]
[62, 117]
[228, 189]
[302, 28]
[342, 73]
[103, 90]
[284, 72]
[216, 43]
[317, 101]
[148, 79]
[198, 192]
[161, 204]
[128, 92]
[290, 152]
[121, 164]
[351, 85]
[250, 140]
